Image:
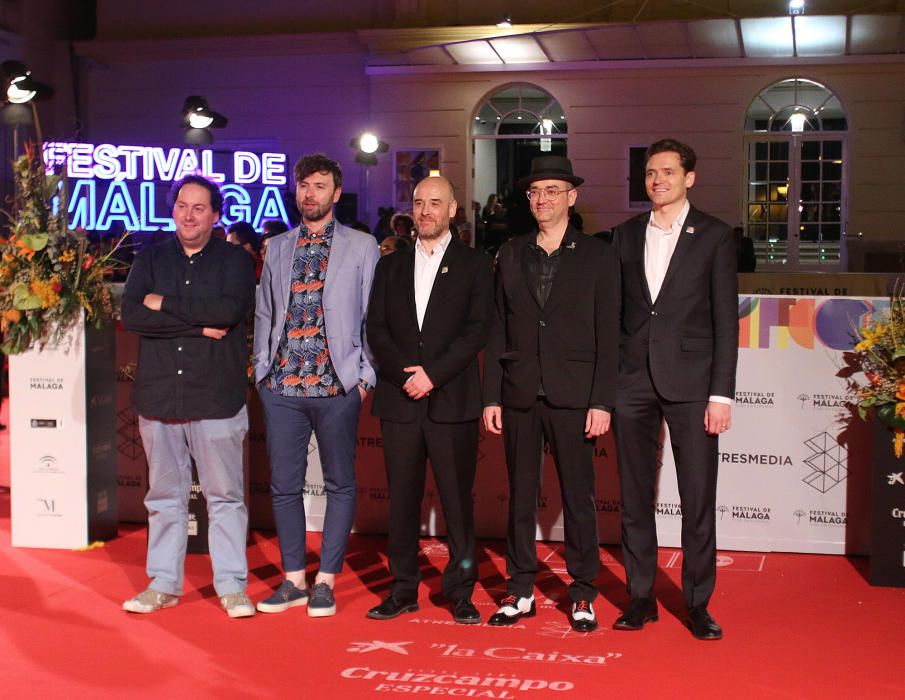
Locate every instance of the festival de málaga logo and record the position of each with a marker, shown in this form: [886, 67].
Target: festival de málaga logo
[758, 399]
[750, 513]
[828, 518]
[669, 510]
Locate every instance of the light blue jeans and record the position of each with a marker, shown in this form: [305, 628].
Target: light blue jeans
[216, 446]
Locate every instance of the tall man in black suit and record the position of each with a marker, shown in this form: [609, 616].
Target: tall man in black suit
[678, 353]
[428, 319]
[550, 376]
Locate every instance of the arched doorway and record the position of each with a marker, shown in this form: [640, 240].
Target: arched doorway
[795, 194]
[512, 126]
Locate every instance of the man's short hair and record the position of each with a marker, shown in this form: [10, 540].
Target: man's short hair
[245, 233]
[318, 163]
[687, 156]
[216, 196]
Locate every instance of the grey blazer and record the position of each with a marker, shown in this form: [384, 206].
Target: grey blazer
[347, 289]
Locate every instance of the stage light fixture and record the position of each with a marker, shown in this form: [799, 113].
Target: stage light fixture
[796, 7]
[198, 119]
[19, 87]
[367, 146]
[505, 22]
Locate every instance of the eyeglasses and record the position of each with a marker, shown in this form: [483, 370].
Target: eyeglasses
[548, 192]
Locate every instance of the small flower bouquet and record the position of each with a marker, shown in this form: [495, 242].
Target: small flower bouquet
[880, 353]
[48, 273]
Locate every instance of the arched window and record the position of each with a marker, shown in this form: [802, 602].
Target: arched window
[511, 127]
[795, 185]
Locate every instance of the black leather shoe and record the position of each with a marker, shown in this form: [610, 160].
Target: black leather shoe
[703, 626]
[639, 612]
[511, 611]
[391, 607]
[583, 618]
[465, 613]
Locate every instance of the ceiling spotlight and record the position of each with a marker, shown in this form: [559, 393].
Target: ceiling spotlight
[20, 87]
[796, 7]
[505, 22]
[367, 145]
[198, 118]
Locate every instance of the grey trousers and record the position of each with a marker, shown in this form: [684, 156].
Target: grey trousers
[216, 446]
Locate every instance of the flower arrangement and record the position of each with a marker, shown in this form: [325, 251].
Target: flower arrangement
[880, 353]
[48, 273]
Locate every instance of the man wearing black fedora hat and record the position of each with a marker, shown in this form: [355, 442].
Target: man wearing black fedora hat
[550, 377]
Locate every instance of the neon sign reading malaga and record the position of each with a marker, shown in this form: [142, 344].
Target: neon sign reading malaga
[126, 185]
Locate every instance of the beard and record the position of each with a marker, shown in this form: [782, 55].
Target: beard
[431, 230]
[317, 214]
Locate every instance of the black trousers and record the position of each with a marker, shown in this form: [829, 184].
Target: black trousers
[524, 433]
[639, 413]
[452, 449]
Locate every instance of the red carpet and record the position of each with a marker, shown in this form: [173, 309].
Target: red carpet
[796, 626]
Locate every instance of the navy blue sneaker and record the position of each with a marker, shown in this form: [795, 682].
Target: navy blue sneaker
[285, 597]
[322, 603]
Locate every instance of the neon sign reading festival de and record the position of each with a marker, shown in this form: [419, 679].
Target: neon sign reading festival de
[125, 186]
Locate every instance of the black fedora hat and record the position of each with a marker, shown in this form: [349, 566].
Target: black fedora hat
[550, 168]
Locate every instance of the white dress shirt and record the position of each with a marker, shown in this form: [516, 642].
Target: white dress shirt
[659, 245]
[426, 267]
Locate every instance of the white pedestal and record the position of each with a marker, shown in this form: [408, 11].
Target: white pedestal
[62, 442]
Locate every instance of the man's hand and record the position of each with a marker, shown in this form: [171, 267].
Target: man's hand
[717, 417]
[361, 392]
[214, 333]
[597, 423]
[418, 385]
[493, 419]
[153, 301]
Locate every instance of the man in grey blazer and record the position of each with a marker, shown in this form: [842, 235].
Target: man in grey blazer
[312, 370]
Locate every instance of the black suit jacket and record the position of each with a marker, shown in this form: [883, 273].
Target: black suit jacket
[571, 343]
[689, 336]
[455, 330]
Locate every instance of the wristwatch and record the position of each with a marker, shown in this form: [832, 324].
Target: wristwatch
[362, 384]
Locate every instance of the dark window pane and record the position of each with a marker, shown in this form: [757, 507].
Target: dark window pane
[779, 171]
[832, 170]
[778, 232]
[757, 231]
[809, 192]
[830, 232]
[809, 232]
[832, 150]
[810, 212]
[759, 151]
[757, 212]
[810, 171]
[830, 212]
[810, 150]
[831, 192]
[760, 171]
[779, 151]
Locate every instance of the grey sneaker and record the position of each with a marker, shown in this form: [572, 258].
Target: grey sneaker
[237, 605]
[285, 597]
[149, 601]
[321, 603]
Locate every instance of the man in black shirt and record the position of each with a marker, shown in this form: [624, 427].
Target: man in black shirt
[189, 299]
[550, 376]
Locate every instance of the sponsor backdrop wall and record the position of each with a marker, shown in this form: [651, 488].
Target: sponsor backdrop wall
[794, 469]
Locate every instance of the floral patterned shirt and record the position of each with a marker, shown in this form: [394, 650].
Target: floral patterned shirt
[302, 365]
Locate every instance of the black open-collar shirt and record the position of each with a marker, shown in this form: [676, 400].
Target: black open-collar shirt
[182, 374]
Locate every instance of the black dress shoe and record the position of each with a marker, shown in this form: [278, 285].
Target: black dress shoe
[639, 612]
[392, 607]
[511, 611]
[583, 618]
[703, 626]
[465, 613]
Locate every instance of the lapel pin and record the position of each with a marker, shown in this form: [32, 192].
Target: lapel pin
[571, 246]
[444, 270]
[690, 229]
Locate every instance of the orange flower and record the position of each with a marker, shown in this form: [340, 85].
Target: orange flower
[312, 379]
[900, 394]
[12, 315]
[293, 380]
